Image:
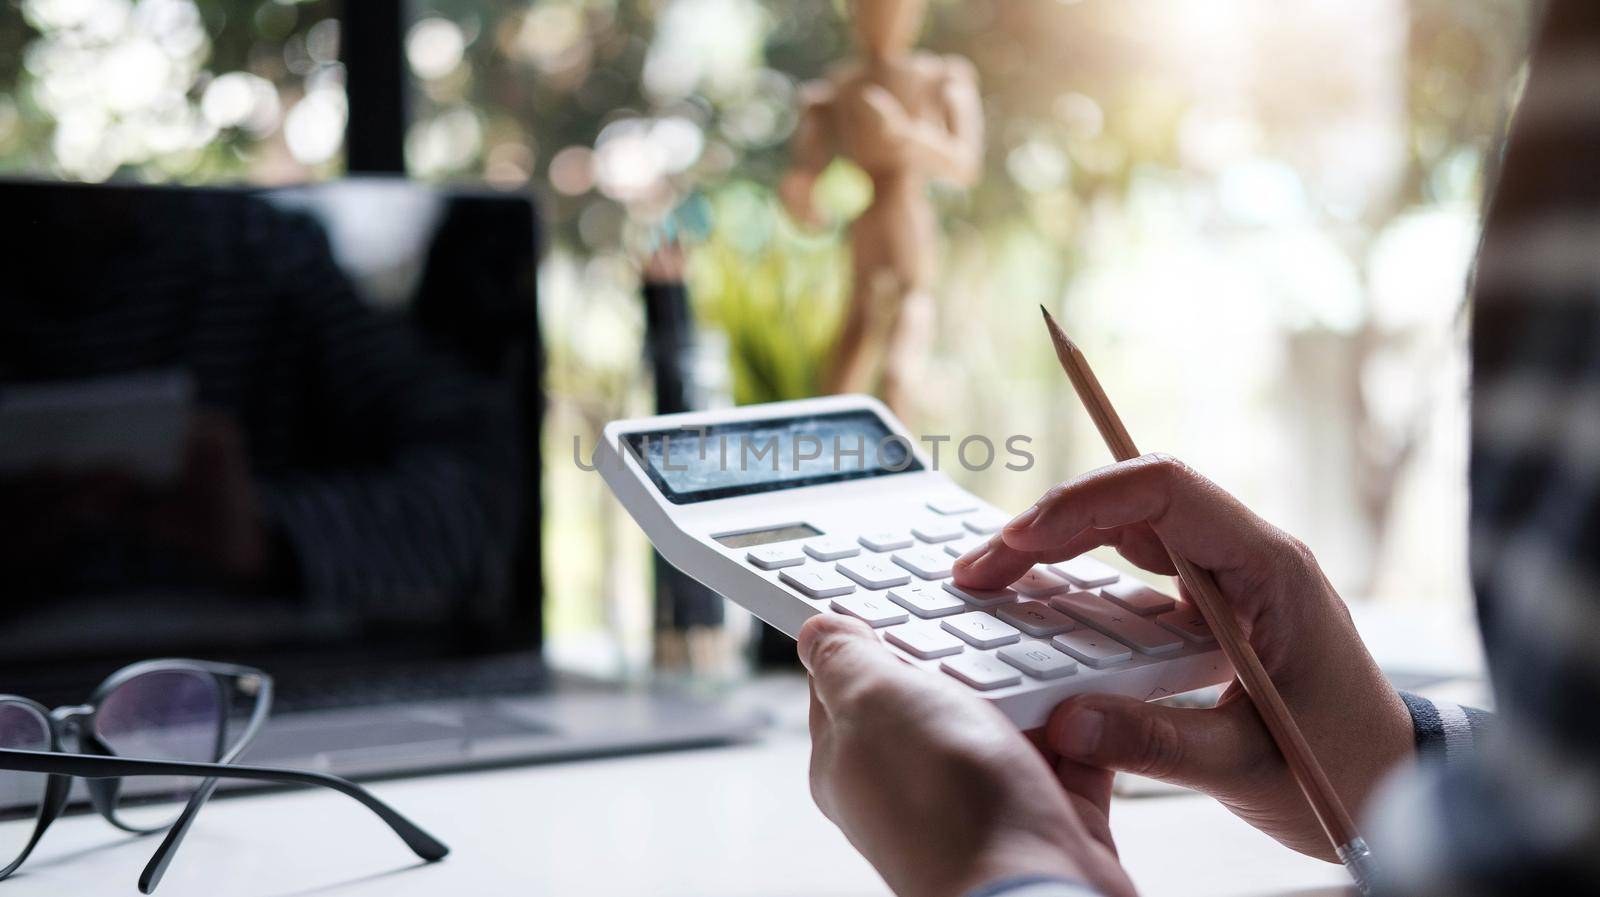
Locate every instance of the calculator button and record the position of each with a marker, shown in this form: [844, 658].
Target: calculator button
[1092, 649]
[981, 671]
[818, 582]
[984, 524]
[1138, 597]
[981, 597]
[1036, 619]
[938, 530]
[980, 630]
[832, 548]
[1119, 623]
[873, 572]
[927, 601]
[955, 504]
[1036, 583]
[928, 563]
[1087, 573]
[886, 540]
[925, 642]
[1187, 622]
[873, 610]
[1038, 660]
[963, 545]
[771, 557]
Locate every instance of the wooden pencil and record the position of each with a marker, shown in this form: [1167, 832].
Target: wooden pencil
[1202, 589]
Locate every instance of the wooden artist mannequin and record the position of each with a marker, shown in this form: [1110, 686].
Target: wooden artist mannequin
[904, 117]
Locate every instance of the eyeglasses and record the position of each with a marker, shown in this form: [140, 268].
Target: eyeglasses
[170, 726]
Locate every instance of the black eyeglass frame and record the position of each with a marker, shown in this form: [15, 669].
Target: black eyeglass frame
[102, 770]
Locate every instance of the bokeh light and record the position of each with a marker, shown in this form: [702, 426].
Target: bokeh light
[1292, 186]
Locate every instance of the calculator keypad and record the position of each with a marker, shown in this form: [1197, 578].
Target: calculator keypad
[1036, 619]
[985, 524]
[924, 641]
[936, 530]
[1036, 583]
[1042, 628]
[1086, 573]
[1138, 597]
[961, 546]
[955, 504]
[981, 597]
[832, 548]
[1038, 660]
[1127, 628]
[927, 600]
[873, 572]
[817, 581]
[981, 671]
[772, 557]
[980, 630]
[927, 563]
[1092, 648]
[873, 610]
[887, 540]
[1187, 622]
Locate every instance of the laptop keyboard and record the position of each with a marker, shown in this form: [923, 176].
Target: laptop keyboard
[436, 680]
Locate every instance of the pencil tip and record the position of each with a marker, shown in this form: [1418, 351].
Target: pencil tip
[1057, 335]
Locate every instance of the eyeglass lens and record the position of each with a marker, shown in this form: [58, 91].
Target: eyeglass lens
[21, 793]
[161, 715]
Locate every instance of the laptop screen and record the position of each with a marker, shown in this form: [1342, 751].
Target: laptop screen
[247, 424]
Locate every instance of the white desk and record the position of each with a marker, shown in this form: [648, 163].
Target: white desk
[724, 822]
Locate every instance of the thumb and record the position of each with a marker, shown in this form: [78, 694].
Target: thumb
[842, 655]
[1201, 749]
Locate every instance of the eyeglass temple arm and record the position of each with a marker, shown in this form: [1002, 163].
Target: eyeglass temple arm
[162, 858]
[89, 766]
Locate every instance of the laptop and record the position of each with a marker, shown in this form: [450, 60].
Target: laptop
[297, 429]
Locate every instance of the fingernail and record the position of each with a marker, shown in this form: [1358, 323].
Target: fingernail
[1080, 737]
[1025, 519]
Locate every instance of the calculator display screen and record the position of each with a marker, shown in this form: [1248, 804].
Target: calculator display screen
[745, 457]
[768, 536]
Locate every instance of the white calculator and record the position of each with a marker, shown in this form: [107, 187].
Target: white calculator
[829, 505]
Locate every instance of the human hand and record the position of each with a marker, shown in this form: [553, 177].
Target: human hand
[935, 788]
[1353, 718]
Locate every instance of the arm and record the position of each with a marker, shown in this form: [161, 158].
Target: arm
[1520, 816]
[810, 151]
